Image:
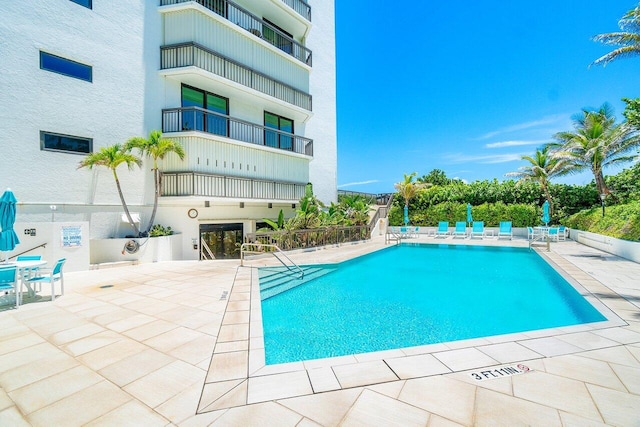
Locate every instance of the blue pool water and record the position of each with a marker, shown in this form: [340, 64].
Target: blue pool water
[410, 295]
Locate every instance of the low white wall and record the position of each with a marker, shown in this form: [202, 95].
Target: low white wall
[623, 248]
[68, 240]
[153, 249]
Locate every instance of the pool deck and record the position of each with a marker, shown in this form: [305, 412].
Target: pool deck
[180, 343]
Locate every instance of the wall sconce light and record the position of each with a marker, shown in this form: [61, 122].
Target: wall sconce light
[270, 205]
[293, 205]
[242, 204]
[206, 204]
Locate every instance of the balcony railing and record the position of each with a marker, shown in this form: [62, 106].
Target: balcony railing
[254, 25]
[300, 6]
[201, 184]
[193, 54]
[194, 118]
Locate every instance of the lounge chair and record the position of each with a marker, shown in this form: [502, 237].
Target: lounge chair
[51, 276]
[9, 281]
[562, 233]
[461, 229]
[505, 230]
[443, 229]
[477, 230]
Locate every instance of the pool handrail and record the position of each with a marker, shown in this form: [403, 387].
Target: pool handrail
[260, 250]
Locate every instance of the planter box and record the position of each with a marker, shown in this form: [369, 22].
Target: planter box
[153, 249]
[621, 248]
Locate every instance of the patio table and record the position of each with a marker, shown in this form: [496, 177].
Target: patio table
[24, 272]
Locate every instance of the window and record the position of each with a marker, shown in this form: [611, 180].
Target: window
[211, 121]
[67, 143]
[277, 139]
[278, 40]
[85, 3]
[65, 66]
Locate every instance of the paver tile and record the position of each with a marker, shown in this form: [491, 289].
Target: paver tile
[359, 374]
[417, 366]
[620, 409]
[463, 359]
[375, 409]
[326, 409]
[262, 414]
[494, 409]
[278, 386]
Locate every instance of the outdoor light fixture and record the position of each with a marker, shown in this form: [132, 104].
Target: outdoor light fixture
[602, 197]
[242, 204]
[270, 205]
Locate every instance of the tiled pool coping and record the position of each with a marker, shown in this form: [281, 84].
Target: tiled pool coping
[238, 374]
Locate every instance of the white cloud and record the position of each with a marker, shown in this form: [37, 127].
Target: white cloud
[545, 121]
[484, 159]
[515, 143]
[353, 184]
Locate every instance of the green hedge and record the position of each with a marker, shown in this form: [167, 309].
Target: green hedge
[521, 215]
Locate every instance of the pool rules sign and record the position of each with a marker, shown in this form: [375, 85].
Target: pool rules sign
[71, 236]
[501, 372]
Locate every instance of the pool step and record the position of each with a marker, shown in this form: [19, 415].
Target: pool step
[280, 280]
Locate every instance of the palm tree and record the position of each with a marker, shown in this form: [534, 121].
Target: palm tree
[155, 147]
[629, 40]
[111, 157]
[408, 189]
[541, 168]
[596, 142]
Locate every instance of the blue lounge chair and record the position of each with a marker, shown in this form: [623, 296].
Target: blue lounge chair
[477, 230]
[461, 229]
[443, 229]
[9, 281]
[505, 230]
[51, 276]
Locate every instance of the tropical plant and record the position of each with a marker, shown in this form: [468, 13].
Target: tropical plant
[595, 143]
[111, 157]
[353, 210]
[632, 111]
[435, 177]
[158, 230]
[408, 189]
[541, 168]
[156, 148]
[628, 39]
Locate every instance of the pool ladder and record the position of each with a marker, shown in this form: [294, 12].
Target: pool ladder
[259, 248]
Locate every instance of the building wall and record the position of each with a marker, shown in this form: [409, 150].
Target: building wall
[323, 126]
[121, 41]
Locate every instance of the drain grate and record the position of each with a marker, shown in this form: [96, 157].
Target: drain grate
[106, 286]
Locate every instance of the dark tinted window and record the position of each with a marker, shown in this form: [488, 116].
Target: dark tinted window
[72, 144]
[65, 66]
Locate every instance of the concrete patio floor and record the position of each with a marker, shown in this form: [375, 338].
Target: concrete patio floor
[180, 344]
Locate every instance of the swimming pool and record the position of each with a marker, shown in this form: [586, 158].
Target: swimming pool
[411, 295]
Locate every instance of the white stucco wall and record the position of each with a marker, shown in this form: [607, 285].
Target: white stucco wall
[322, 127]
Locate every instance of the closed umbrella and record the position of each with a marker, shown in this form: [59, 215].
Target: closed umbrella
[545, 213]
[406, 215]
[469, 216]
[8, 237]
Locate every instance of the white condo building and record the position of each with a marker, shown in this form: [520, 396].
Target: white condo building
[247, 87]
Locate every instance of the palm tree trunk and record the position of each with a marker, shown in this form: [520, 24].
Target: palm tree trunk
[124, 204]
[600, 183]
[156, 195]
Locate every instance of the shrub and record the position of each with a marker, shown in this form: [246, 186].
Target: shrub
[620, 221]
[158, 230]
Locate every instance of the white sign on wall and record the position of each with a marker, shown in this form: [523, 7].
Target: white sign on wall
[71, 236]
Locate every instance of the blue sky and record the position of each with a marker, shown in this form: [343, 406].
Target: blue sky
[467, 87]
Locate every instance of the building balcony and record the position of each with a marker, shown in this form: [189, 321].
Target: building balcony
[194, 55]
[176, 184]
[301, 7]
[255, 25]
[201, 120]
